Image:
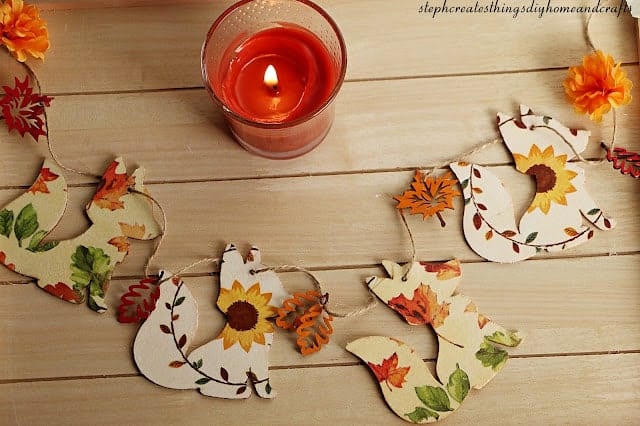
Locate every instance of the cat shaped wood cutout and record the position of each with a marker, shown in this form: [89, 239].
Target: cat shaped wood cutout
[69, 269]
[249, 297]
[542, 148]
[423, 294]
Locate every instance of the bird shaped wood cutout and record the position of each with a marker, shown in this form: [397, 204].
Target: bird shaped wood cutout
[249, 297]
[423, 294]
[69, 269]
[541, 147]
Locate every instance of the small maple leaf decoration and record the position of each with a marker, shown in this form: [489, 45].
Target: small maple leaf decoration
[40, 185]
[137, 303]
[23, 110]
[305, 313]
[389, 373]
[628, 162]
[429, 196]
[423, 308]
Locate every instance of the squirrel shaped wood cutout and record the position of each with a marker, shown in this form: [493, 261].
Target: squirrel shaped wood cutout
[249, 296]
[71, 268]
[423, 294]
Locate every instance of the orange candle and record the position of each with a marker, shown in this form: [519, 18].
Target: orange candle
[276, 85]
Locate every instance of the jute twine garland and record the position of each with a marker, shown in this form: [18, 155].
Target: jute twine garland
[483, 146]
[290, 268]
[372, 302]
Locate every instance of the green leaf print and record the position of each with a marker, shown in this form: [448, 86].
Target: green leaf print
[26, 223]
[202, 381]
[90, 267]
[531, 237]
[490, 356]
[434, 397]
[458, 386]
[510, 339]
[421, 413]
[6, 222]
[35, 243]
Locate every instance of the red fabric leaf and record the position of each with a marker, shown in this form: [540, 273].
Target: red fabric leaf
[422, 308]
[23, 110]
[182, 341]
[139, 301]
[112, 187]
[477, 221]
[40, 185]
[389, 372]
[64, 292]
[628, 162]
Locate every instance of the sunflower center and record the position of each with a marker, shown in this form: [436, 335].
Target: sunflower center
[545, 177]
[242, 316]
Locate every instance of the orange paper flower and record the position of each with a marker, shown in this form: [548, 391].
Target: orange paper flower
[597, 85]
[23, 31]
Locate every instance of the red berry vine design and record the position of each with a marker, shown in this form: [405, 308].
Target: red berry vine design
[181, 342]
[510, 235]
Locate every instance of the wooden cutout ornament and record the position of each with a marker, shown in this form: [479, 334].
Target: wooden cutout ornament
[423, 294]
[306, 314]
[67, 269]
[429, 196]
[249, 296]
[541, 148]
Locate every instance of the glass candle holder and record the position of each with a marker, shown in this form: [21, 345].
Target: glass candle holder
[275, 68]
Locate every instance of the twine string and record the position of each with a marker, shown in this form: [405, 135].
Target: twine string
[163, 230]
[54, 156]
[603, 157]
[413, 243]
[371, 303]
[464, 155]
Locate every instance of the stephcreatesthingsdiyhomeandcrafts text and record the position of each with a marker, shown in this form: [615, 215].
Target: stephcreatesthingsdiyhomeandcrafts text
[446, 7]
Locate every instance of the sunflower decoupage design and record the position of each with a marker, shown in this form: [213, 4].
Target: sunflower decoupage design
[542, 148]
[249, 297]
[424, 294]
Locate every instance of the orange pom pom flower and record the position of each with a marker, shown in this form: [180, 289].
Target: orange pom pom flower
[597, 85]
[22, 30]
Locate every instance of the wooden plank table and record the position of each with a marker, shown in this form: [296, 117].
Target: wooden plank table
[126, 81]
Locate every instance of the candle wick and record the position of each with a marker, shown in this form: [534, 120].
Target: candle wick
[275, 88]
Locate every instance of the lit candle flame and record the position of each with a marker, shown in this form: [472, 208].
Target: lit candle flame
[271, 78]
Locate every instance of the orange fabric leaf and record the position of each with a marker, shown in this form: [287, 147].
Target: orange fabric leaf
[40, 185]
[429, 196]
[112, 187]
[314, 330]
[389, 372]
[305, 313]
[482, 321]
[423, 308]
[120, 243]
[133, 231]
[292, 310]
[444, 270]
